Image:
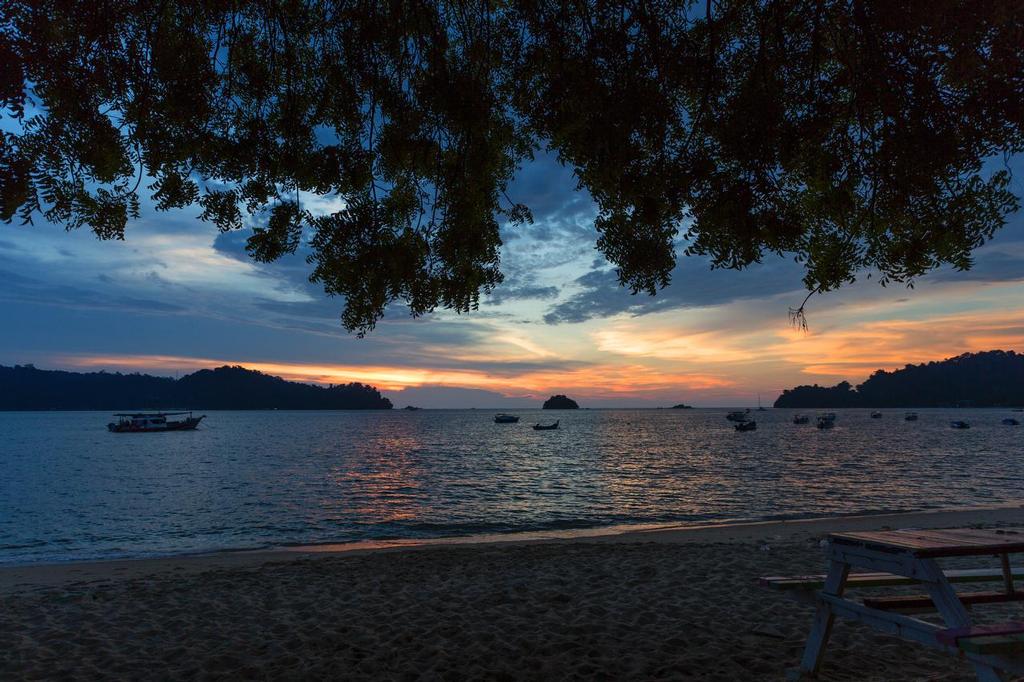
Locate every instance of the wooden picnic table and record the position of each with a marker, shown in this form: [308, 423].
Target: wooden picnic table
[911, 554]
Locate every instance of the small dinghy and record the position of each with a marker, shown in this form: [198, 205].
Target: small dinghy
[545, 427]
[910, 417]
[957, 424]
[747, 426]
[1010, 421]
[876, 415]
[826, 421]
[801, 419]
[738, 416]
[506, 419]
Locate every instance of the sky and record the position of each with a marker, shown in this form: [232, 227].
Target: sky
[176, 296]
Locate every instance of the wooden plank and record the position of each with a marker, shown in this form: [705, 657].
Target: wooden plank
[924, 604]
[952, 635]
[935, 543]
[928, 539]
[883, 579]
[947, 538]
[974, 537]
[996, 644]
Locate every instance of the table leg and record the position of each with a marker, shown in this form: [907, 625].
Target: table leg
[817, 640]
[951, 609]
[1004, 561]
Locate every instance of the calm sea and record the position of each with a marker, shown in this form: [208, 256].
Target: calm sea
[71, 490]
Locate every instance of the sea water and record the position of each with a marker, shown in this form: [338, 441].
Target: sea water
[71, 490]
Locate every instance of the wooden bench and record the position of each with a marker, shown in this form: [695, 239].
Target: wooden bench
[999, 639]
[817, 582]
[923, 603]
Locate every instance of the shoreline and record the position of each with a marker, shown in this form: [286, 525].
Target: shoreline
[33, 577]
[655, 604]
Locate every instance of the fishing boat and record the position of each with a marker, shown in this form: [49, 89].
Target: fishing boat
[506, 419]
[545, 427]
[801, 419]
[747, 426]
[1010, 421]
[958, 424]
[826, 421]
[876, 415]
[738, 416]
[149, 422]
[910, 417]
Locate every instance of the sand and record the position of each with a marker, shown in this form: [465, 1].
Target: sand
[667, 604]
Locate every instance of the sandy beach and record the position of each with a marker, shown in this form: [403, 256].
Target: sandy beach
[671, 603]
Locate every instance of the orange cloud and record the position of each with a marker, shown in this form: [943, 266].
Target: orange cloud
[666, 344]
[890, 344]
[593, 381]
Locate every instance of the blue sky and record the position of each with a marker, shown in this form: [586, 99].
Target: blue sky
[176, 295]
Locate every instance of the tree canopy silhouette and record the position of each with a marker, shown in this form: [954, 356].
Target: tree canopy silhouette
[988, 379]
[852, 135]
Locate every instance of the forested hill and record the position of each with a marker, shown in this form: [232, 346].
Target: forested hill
[225, 388]
[989, 379]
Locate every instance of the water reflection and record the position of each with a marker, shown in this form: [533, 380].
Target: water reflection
[72, 490]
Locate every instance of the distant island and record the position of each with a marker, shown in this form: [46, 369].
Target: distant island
[23, 387]
[560, 402]
[987, 379]
[682, 406]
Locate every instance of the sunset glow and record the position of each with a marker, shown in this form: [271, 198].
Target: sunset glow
[174, 298]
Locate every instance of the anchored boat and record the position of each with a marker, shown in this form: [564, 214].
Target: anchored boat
[747, 426]
[738, 416]
[147, 422]
[545, 427]
[505, 419]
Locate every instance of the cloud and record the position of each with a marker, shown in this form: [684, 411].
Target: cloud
[504, 294]
[21, 289]
[694, 284]
[451, 397]
[599, 381]
[1001, 263]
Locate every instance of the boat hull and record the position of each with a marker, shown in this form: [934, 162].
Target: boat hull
[185, 425]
